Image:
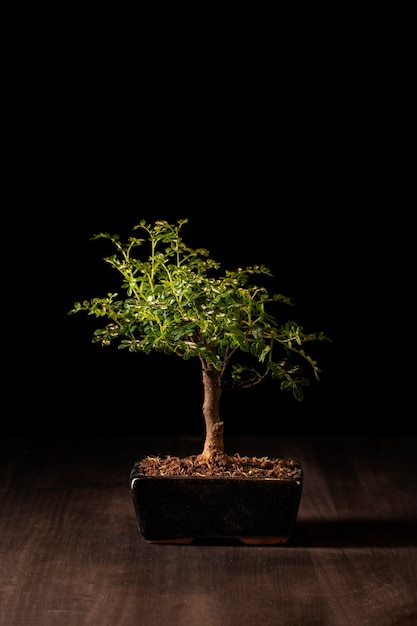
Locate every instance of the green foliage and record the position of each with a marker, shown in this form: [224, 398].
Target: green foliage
[177, 301]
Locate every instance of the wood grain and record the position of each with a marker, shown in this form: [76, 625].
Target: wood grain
[71, 553]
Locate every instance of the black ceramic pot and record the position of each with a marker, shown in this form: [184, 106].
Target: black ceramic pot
[182, 509]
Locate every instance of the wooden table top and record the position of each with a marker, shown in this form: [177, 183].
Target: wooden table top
[71, 553]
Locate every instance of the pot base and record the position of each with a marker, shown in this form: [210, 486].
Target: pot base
[249, 541]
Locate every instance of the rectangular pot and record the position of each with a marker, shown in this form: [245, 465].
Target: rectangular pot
[182, 509]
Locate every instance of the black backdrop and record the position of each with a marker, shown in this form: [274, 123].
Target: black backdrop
[292, 158]
[338, 274]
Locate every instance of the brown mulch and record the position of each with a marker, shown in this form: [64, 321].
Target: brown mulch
[220, 464]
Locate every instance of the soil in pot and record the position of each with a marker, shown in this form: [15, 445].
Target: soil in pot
[219, 464]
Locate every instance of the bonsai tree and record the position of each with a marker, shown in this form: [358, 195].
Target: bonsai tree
[175, 300]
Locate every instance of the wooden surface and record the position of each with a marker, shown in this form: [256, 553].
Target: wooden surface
[71, 553]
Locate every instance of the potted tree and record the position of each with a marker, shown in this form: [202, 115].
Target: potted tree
[177, 301]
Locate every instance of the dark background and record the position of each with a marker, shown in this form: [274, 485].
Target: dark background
[340, 272]
[292, 157]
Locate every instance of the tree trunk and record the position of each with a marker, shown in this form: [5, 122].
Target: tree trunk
[214, 441]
